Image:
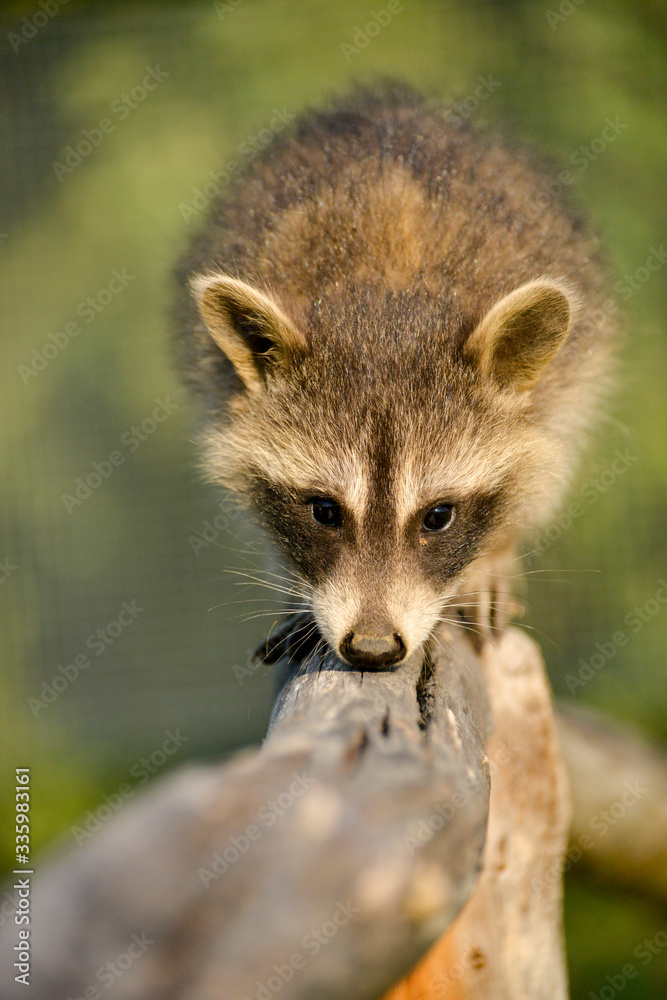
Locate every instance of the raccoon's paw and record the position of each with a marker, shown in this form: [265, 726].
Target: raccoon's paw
[294, 637]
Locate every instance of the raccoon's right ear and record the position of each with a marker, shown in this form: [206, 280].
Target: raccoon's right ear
[521, 333]
[247, 325]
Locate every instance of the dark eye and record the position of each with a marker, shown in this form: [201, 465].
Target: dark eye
[438, 518]
[327, 512]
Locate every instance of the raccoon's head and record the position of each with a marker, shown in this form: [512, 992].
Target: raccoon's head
[390, 448]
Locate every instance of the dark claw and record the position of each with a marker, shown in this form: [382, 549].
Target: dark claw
[294, 638]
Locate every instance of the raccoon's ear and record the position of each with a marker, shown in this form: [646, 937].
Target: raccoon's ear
[247, 325]
[522, 332]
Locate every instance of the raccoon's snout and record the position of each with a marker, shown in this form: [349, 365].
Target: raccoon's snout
[371, 651]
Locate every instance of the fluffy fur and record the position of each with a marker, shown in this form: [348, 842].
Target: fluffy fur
[380, 318]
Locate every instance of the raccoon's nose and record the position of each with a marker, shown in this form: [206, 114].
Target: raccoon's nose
[372, 651]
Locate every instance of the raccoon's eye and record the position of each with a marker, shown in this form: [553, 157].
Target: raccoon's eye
[326, 511]
[439, 517]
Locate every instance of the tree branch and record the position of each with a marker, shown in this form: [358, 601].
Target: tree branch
[332, 858]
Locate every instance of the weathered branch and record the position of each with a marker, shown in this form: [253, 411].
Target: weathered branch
[327, 862]
[507, 943]
[619, 792]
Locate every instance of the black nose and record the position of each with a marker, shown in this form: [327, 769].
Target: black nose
[371, 651]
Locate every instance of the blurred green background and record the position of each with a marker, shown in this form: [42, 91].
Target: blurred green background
[86, 360]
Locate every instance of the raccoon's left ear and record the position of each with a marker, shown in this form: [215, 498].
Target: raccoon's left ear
[522, 332]
[247, 325]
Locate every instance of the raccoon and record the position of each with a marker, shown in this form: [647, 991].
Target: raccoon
[399, 357]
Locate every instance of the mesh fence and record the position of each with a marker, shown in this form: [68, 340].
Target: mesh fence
[119, 621]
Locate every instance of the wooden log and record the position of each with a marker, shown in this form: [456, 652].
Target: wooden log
[619, 791]
[322, 865]
[507, 943]
[326, 863]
